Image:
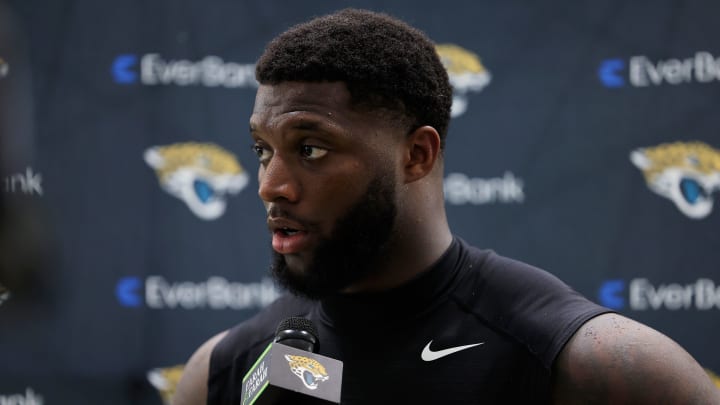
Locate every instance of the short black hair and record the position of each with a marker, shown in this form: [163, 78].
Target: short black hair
[385, 63]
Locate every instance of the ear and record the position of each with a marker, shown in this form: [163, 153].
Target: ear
[640, 159]
[422, 153]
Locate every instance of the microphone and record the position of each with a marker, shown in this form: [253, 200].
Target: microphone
[299, 333]
[290, 371]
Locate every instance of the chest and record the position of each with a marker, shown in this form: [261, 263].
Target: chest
[470, 366]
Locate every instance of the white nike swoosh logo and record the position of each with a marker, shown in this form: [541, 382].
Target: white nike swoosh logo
[430, 355]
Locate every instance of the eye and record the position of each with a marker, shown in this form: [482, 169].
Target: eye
[692, 190]
[261, 152]
[310, 152]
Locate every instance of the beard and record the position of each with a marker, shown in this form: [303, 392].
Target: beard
[358, 241]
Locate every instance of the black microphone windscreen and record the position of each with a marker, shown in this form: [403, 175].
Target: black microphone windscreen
[298, 323]
[299, 333]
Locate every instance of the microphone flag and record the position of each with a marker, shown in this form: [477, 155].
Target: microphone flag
[281, 368]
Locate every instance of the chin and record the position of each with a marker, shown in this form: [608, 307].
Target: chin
[296, 265]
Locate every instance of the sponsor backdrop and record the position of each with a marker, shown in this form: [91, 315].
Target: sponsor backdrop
[585, 140]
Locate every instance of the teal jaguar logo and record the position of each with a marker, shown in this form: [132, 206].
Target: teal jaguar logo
[200, 174]
[686, 173]
[310, 371]
[466, 73]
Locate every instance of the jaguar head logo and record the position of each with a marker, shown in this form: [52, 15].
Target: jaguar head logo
[687, 173]
[466, 73]
[165, 380]
[200, 174]
[310, 371]
[714, 377]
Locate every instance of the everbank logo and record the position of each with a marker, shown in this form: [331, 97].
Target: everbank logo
[641, 71]
[641, 295]
[216, 293]
[153, 70]
[28, 398]
[460, 189]
[29, 183]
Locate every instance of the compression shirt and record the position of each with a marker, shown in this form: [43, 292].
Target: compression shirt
[516, 317]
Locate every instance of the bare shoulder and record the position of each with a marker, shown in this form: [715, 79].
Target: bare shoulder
[615, 360]
[192, 388]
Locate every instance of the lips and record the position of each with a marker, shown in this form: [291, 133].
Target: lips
[288, 236]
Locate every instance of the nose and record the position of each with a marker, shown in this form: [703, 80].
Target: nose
[278, 181]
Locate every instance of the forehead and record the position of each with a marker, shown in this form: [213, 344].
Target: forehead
[328, 99]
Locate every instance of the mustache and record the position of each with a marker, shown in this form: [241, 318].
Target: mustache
[276, 212]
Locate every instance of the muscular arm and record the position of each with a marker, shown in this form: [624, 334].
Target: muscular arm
[615, 360]
[192, 388]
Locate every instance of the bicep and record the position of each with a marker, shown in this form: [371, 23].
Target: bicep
[192, 388]
[613, 359]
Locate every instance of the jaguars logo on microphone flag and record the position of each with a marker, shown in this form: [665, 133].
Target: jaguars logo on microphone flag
[310, 371]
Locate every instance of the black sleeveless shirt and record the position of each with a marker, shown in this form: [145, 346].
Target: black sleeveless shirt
[393, 343]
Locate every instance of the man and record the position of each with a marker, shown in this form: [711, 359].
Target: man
[349, 127]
